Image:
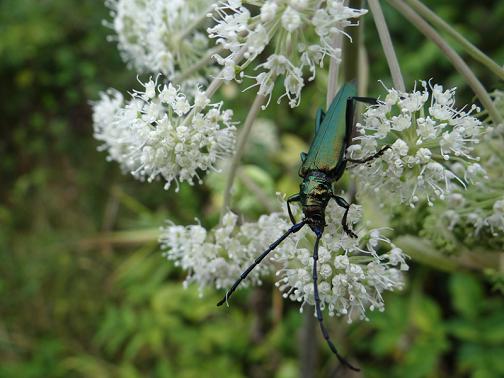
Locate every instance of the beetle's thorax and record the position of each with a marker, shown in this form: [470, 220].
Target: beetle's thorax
[315, 192]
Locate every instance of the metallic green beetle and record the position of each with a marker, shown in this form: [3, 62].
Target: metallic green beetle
[323, 165]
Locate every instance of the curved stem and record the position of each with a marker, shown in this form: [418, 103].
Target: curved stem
[388, 47]
[242, 141]
[472, 50]
[452, 55]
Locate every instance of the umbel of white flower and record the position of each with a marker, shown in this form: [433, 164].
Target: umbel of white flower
[353, 273]
[159, 134]
[481, 206]
[302, 31]
[160, 35]
[432, 146]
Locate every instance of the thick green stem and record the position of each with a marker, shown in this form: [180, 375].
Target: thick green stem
[472, 50]
[352, 70]
[423, 251]
[122, 238]
[240, 148]
[332, 82]
[350, 48]
[388, 47]
[363, 71]
[452, 55]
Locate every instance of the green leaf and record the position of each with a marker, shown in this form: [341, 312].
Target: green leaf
[467, 294]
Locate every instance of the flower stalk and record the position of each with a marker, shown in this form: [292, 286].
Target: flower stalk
[452, 55]
[350, 48]
[202, 63]
[332, 81]
[422, 251]
[240, 149]
[388, 47]
[472, 50]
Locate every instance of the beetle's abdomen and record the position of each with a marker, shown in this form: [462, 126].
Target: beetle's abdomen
[314, 214]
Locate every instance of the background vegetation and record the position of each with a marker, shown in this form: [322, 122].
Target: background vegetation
[80, 295]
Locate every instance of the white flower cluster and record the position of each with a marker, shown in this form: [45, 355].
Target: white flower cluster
[159, 35]
[303, 33]
[218, 257]
[486, 211]
[482, 205]
[160, 134]
[432, 146]
[353, 274]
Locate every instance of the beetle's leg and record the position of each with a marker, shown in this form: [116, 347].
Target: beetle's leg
[319, 118]
[319, 311]
[293, 198]
[258, 260]
[349, 114]
[366, 100]
[350, 108]
[344, 204]
[369, 158]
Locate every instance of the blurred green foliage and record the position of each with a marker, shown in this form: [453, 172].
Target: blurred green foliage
[76, 301]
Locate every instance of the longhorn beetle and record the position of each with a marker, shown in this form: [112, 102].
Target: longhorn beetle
[323, 165]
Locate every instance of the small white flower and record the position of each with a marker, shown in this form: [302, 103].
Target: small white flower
[168, 95]
[268, 11]
[291, 19]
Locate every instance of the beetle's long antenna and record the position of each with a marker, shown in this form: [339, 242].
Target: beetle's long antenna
[319, 311]
[258, 260]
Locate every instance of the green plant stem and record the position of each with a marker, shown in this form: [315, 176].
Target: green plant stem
[388, 47]
[423, 251]
[332, 82]
[123, 238]
[350, 48]
[261, 195]
[363, 72]
[452, 55]
[472, 50]
[240, 148]
[352, 70]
